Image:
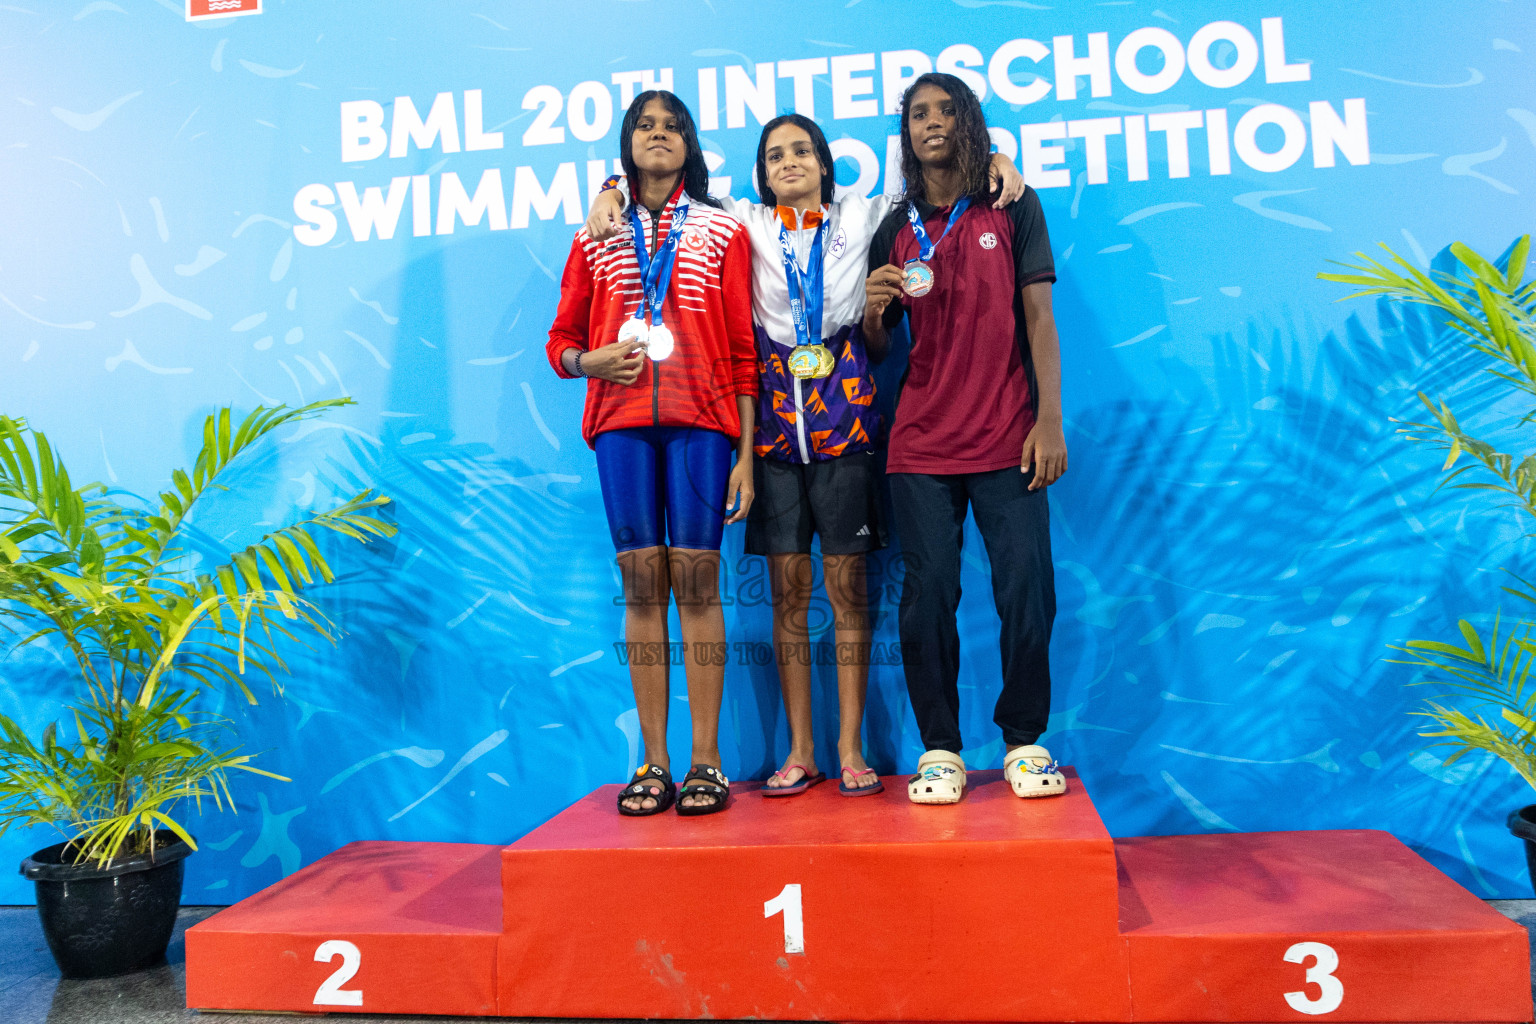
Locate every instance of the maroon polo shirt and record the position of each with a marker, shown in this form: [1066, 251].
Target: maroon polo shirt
[966, 402]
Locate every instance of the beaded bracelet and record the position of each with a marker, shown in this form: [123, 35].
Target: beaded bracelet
[579, 371]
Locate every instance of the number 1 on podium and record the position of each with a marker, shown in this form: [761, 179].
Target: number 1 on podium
[787, 902]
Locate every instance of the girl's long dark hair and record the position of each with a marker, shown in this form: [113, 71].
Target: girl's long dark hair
[818, 143]
[973, 146]
[695, 173]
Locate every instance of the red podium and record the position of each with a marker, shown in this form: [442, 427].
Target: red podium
[873, 909]
[1347, 926]
[994, 909]
[374, 927]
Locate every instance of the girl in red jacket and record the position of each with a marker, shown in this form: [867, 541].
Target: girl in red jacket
[659, 321]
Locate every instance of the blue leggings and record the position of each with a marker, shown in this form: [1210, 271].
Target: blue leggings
[664, 484]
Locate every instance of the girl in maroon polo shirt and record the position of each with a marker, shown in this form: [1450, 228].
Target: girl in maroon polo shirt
[978, 426]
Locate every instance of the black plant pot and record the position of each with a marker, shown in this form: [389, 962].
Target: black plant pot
[101, 921]
[1523, 824]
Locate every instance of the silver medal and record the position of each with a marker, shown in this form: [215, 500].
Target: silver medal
[658, 344]
[633, 331]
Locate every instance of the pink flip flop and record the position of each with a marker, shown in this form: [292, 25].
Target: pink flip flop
[847, 790]
[807, 780]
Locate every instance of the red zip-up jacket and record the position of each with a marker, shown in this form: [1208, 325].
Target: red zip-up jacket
[708, 308]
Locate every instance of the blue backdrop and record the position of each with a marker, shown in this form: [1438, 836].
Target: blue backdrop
[1240, 536]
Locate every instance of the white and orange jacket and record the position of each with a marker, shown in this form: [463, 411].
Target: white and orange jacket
[820, 418]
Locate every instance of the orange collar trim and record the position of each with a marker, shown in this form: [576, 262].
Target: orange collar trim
[797, 221]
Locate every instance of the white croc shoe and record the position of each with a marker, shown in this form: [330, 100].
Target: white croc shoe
[940, 778]
[1031, 772]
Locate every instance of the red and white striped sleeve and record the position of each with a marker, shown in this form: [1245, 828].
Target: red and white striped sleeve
[736, 292]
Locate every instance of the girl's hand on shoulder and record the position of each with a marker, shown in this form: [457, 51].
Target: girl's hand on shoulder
[607, 215]
[738, 491]
[1004, 179]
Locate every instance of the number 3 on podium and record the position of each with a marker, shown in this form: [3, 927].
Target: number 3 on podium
[1330, 989]
[787, 902]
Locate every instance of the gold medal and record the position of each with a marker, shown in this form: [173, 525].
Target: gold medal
[804, 362]
[826, 362]
[810, 362]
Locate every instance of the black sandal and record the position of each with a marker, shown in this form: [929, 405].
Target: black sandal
[715, 785]
[647, 776]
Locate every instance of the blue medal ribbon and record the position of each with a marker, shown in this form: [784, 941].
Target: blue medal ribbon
[656, 271]
[805, 294]
[924, 246]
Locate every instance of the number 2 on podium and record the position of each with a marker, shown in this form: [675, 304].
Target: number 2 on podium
[787, 902]
[330, 992]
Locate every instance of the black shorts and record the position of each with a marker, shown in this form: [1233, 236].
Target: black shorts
[839, 499]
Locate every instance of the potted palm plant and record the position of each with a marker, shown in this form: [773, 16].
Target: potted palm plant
[108, 583]
[1487, 701]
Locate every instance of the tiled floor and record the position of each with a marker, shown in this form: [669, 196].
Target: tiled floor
[32, 993]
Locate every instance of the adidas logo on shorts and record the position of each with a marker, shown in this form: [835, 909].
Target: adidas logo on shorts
[863, 531]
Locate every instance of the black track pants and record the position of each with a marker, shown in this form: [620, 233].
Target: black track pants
[1015, 527]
